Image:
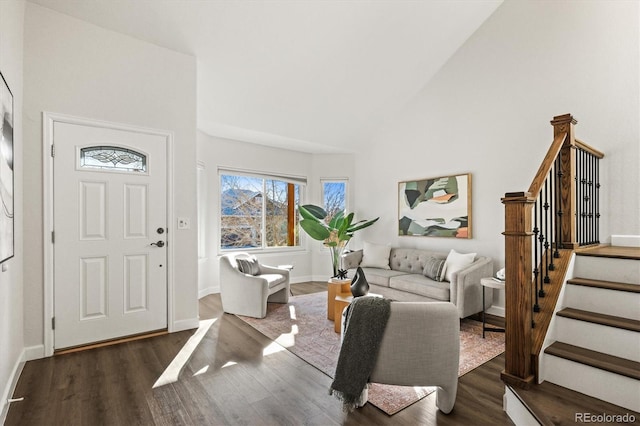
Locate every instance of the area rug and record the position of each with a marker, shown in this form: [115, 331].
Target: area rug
[302, 327]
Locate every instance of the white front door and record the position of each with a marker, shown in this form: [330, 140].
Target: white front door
[110, 223]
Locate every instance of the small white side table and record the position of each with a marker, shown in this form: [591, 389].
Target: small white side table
[489, 283]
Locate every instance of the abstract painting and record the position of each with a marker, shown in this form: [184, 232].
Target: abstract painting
[435, 207]
[6, 172]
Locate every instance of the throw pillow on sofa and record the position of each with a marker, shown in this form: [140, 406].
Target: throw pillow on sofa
[434, 268]
[455, 262]
[375, 256]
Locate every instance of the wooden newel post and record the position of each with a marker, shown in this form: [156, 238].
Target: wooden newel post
[518, 291]
[564, 124]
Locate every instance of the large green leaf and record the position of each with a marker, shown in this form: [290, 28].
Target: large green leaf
[340, 225]
[366, 224]
[336, 219]
[306, 214]
[347, 222]
[315, 211]
[315, 229]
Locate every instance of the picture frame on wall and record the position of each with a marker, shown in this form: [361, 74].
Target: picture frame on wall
[7, 243]
[435, 207]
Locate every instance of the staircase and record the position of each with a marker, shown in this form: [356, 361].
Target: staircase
[593, 344]
[572, 307]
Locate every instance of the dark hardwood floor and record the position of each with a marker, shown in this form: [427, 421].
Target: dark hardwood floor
[233, 376]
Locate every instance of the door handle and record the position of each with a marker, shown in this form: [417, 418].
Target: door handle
[158, 244]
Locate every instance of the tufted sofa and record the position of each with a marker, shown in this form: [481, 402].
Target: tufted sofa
[405, 280]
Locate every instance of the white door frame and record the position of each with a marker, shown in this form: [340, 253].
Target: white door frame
[48, 120]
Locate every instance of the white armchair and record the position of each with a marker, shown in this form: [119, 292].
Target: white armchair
[247, 293]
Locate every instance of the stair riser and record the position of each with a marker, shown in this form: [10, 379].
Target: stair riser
[603, 301]
[608, 269]
[619, 390]
[599, 338]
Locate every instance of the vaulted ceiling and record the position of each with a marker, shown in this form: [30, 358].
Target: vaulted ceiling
[311, 75]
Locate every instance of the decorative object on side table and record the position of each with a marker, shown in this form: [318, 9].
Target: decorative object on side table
[335, 234]
[359, 284]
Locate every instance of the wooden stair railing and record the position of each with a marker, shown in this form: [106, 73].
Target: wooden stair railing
[558, 213]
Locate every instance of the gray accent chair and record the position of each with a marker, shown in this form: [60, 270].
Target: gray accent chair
[245, 294]
[420, 347]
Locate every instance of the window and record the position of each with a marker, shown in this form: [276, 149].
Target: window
[202, 209]
[334, 196]
[259, 211]
[113, 158]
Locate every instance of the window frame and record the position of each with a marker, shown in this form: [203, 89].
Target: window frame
[323, 181]
[300, 182]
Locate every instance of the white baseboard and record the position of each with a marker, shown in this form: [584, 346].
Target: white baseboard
[625, 240]
[207, 291]
[516, 410]
[498, 311]
[186, 324]
[33, 352]
[10, 388]
[304, 279]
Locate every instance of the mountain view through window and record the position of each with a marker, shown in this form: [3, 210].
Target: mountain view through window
[258, 212]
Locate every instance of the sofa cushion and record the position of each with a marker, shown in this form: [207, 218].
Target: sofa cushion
[456, 262]
[434, 269]
[375, 256]
[379, 276]
[419, 284]
[411, 261]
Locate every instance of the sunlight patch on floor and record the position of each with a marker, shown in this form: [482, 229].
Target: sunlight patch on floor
[292, 312]
[230, 364]
[272, 349]
[201, 371]
[171, 373]
[288, 339]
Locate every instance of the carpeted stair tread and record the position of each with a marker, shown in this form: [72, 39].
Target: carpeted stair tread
[613, 364]
[602, 319]
[608, 285]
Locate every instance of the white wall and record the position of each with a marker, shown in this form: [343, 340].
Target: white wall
[76, 68]
[11, 280]
[487, 113]
[215, 153]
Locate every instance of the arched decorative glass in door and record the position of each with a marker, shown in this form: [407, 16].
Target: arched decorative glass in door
[113, 158]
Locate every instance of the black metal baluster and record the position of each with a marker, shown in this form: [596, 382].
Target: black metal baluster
[583, 200]
[536, 306]
[560, 211]
[597, 201]
[547, 280]
[591, 197]
[552, 233]
[594, 161]
[580, 184]
[541, 238]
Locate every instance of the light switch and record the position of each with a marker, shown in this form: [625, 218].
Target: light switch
[184, 223]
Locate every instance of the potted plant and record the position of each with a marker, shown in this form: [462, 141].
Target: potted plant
[335, 234]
